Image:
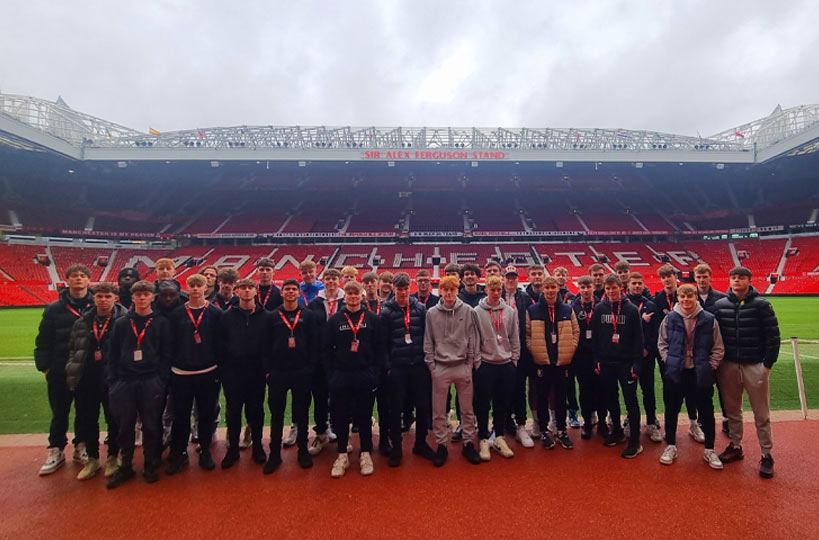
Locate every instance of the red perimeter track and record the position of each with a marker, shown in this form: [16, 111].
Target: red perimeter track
[589, 492]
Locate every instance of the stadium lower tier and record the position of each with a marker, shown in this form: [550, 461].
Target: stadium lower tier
[31, 274]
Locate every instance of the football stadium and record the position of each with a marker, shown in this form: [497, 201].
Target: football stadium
[81, 190]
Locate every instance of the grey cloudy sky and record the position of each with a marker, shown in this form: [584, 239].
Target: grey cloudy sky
[681, 67]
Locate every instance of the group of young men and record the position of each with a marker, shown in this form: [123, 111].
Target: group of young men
[151, 354]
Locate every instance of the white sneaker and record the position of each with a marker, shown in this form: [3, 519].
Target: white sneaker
[318, 444]
[523, 437]
[696, 432]
[89, 470]
[247, 439]
[54, 461]
[138, 436]
[331, 435]
[80, 454]
[653, 433]
[290, 440]
[712, 459]
[536, 434]
[501, 446]
[366, 463]
[340, 466]
[669, 455]
[552, 422]
[484, 450]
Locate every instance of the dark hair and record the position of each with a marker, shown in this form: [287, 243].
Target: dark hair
[142, 286]
[470, 267]
[227, 275]
[453, 267]
[77, 268]
[740, 271]
[622, 265]
[246, 283]
[584, 280]
[595, 267]
[290, 281]
[106, 288]
[401, 279]
[611, 279]
[265, 261]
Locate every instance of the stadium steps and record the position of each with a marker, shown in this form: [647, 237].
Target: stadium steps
[734, 255]
[780, 268]
[26, 290]
[110, 265]
[52, 268]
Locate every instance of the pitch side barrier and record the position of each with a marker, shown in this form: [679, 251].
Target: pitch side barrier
[809, 349]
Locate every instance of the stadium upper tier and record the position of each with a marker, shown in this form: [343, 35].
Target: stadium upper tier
[780, 265]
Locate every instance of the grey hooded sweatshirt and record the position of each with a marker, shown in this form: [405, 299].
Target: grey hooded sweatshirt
[450, 336]
[497, 345]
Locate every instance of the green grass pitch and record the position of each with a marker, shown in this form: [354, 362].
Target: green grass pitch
[25, 408]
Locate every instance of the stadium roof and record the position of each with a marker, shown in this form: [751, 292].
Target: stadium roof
[32, 123]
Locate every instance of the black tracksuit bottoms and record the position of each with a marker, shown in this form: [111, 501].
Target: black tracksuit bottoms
[244, 387]
[494, 385]
[571, 390]
[409, 384]
[591, 395]
[551, 379]
[690, 400]
[383, 405]
[129, 397]
[525, 369]
[612, 373]
[59, 398]
[204, 388]
[92, 391]
[321, 398]
[646, 379]
[352, 394]
[705, 406]
[278, 384]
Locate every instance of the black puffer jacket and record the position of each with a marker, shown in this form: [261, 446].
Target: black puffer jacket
[393, 326]
[749, 328]
[51, 345]
[246, 339]
[82, 343]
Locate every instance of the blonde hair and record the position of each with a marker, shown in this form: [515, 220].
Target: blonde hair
[196, 279]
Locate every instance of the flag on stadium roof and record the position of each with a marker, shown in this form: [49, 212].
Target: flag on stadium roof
[622, 133]
[738, 134]
[153, 131]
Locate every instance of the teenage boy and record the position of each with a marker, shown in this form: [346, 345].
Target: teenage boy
[382, 396]
[561, 274]
[598, 274]
[665, 300]
[520, 301]
[291, 364]
[492, 268]
[450, 349]
[424, 295]
[225, 298]
[385, 291]
[245, 331]
[126, 278]
[498, 350]
[690, 345]
[165, 270]
[372, 300]
[85, 376]
[750, 333]
[708, 297]
[196, 329]
[591, 396]
[268, 296]
[50, 355]
[348, 273]
[329, 301]
[552, 335]
[403, 321]
[165, 302]
[210, 273]
[309, 286]
[617, 341]
[471, 293]
[139, 361]
[452, 269]
[536, 274]
[623, 271]
[649, 318]
[355, 349]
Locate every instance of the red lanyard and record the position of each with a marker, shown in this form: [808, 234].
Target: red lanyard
[689, 341]
[614, 316]
[589, 313]
[640, 307]
[140, 336]
[499, 321]
[267, 296]
[304, 296]
[407, 317]
[70, 308]
[198, 319]
[552, 317]
[355, 327]
[669, 301]
[97, 334]
[425, 300]
[290, 327]
[332, 305]
[377, 306]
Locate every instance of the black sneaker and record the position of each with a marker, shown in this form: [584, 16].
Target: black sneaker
[603, 429]
[632, 450]
[564, 440]
[258, 455]
[384, 447]
[424, 451]
[395, 457]
[305, 459]
[176, 463]
[273, 462]
[406, 423]
[206, 460]
[230, 459]
[458, 434]
[122, 475]
[586, 432]
[547, 441]
[354, 428]
[151, 474]
[471, 454]
[766, 466]
[615, 438]
[732, 453]
[440, 456]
